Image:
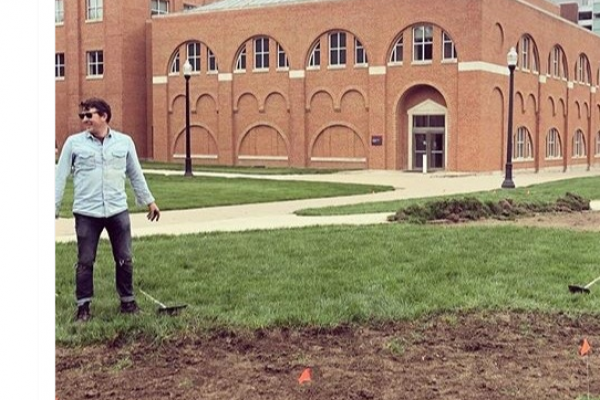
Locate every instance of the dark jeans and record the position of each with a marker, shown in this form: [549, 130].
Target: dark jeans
[88, 230]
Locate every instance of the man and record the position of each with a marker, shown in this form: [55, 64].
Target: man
[100, 158]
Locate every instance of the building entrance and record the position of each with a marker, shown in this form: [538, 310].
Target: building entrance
[428, 141]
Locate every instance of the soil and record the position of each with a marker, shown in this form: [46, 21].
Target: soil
[457, 356]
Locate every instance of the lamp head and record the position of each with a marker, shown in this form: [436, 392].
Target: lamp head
[511, 57]
[187, 68]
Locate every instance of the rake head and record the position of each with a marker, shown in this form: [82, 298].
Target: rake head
[578, 289]
[171, 310]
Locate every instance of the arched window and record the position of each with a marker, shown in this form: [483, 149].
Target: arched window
[598, 143]
[579, 144]
[337, 50]
[522, 149]
[582, 70]
[197, 53]
[397, 55]
[448, 48]
[553, 146]
[175, 64]
[528, 54]
[360, 55]
[240, 63]
[557, 63]
[314, 61]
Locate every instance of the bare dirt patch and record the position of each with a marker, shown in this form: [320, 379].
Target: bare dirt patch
[581, 221]
[466, 356]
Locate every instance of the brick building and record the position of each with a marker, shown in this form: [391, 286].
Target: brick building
[369, 84]
[101, 50]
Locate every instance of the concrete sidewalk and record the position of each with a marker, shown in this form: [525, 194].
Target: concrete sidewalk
[281, 214]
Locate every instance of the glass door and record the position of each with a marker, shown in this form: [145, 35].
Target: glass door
[428, 140]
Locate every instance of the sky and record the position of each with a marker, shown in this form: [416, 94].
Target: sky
[27, 157]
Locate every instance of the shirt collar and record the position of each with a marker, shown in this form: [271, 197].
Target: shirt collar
[90, 136]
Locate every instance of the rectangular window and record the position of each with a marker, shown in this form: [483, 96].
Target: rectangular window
[282, 60]
[555, 68]
[59, 65]
[212, 62]
[188, 7]
[553, 144]
[315, 57]
[59, 11]
[94, 10]
[423, 43]
[449, 52]
[525, 44]
[261, 53]
[337, 49]
[159, 7]
[193, 56]
[578, 145]
[360, 55]
[95, 63]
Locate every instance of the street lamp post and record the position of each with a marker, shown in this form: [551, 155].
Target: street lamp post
[187, 71]
[511, 60]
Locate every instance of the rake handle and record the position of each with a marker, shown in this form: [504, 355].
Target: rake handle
[592, 282]
[153, 299]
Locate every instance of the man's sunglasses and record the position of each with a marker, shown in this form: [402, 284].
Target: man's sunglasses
[88, 115]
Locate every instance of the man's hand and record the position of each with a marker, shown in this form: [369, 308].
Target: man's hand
[153, 212]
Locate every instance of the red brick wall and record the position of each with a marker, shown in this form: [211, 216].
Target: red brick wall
[328, 117]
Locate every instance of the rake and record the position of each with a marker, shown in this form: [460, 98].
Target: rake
[164, 309]
[583, 289]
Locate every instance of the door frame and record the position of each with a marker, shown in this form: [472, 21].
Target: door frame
[427, 107]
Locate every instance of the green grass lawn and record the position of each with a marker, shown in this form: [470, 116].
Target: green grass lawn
[236, 169]
[179, 192]
[332, 275]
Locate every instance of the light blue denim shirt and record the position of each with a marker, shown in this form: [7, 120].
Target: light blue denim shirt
[99, 171]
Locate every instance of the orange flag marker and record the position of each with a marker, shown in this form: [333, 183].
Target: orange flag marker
[585, 348]
[305, 376]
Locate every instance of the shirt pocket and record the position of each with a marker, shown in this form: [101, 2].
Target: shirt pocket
[85, 160]
[118, 159]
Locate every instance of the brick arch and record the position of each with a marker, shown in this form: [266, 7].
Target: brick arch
[338, 141]
[419, 98]
[322, 37]
[498, 37]
[408, 28]
[354, 89]
[247, 44]
[245, 95]
[263, 139]
[320, 90]
[260, 102]
[181, 49]
[203, 143]
[552, 105]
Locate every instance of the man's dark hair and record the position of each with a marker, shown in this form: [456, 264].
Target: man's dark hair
[99, 104]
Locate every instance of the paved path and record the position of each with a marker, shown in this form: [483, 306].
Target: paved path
[281, 214]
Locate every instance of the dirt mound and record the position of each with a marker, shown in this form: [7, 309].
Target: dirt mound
[472, 209]
[455, 356]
